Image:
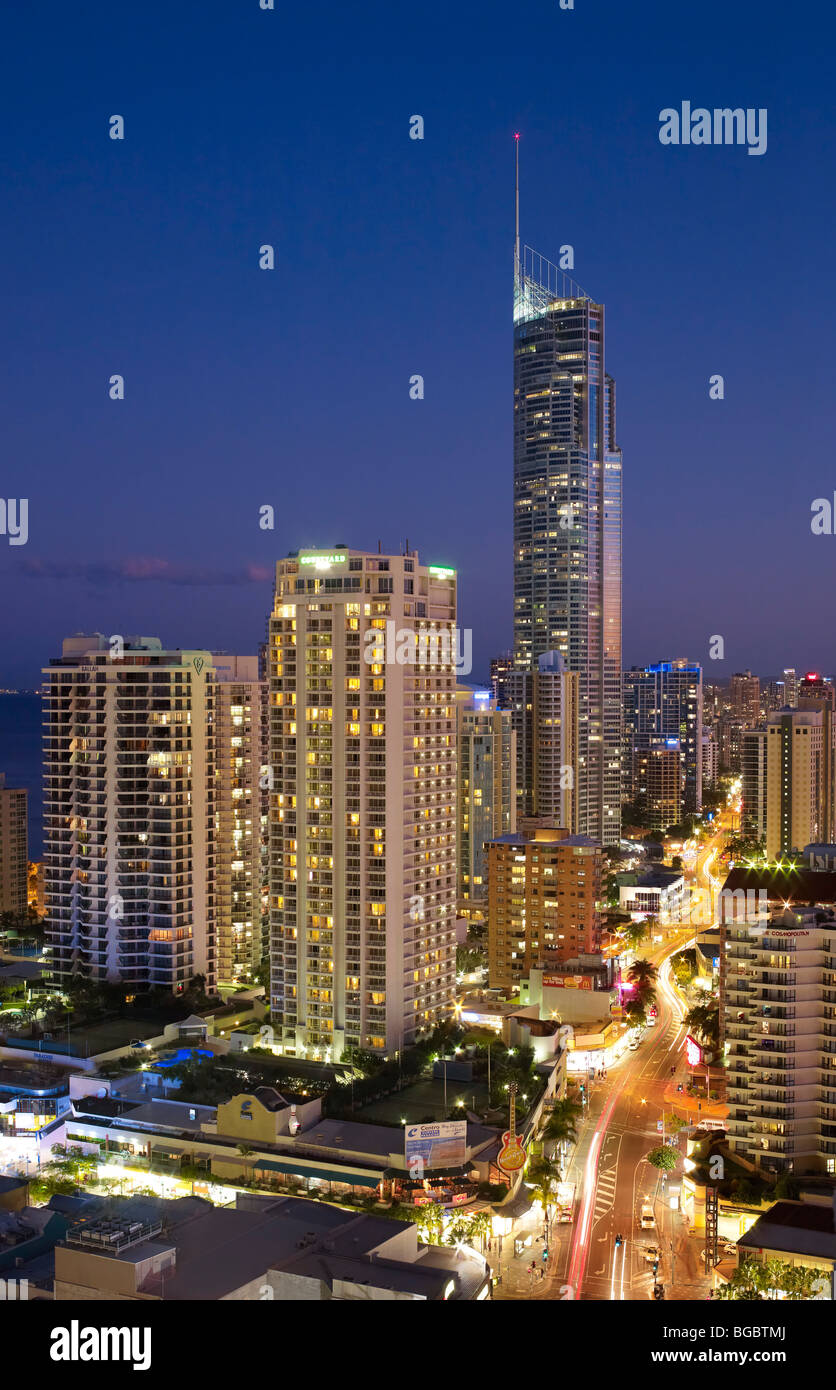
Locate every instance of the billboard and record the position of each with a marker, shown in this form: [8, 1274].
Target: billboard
[441, 1145]
[567, 982]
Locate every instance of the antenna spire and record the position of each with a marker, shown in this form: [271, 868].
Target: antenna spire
[517, 211]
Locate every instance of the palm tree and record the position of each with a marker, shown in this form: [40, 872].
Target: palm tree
[561, 1128]
[633, 935]
[643, 975]
[704, 1021]
[481, 1226]
[431, 1220]
[542, 1174]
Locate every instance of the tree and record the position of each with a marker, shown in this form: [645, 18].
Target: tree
[431, 1220]
[642, 975]
[664, 1158]
[480, 1226]
[758, 1282]
[704, 1022]
[561, 1127]
[542, 1174]
[633, 935]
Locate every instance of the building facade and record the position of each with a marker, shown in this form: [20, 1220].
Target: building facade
[241, 810]
[779, 1026]
[14, 848]
[544, 705]
[363, 807]
[798, 760]
[567, 518]
[753, 798]
[544, 889]
[487, 778]
[129, 813]
[664, 702]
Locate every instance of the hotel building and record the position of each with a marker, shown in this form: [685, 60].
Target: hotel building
[363, 808]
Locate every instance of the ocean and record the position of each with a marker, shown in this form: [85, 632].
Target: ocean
[20, 757]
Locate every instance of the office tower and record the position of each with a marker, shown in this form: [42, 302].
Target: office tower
[753, 799]
[14, 850]
[745, 697]
[657, 787]
[791, 686]
[129, 812]
[778, 1009]
[545, 715]
[543, 891]
[661, 702]
[567, 517]
[713, 702]
[487, 779]
[241, 809]
[363, 809]
[729, 729]
[797, 789]
[710, 759]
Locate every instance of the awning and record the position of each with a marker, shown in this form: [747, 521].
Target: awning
[305, 1170]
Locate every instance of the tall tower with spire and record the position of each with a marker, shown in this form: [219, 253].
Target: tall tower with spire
[567, 515]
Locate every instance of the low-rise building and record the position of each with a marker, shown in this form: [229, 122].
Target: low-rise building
[262, 1249]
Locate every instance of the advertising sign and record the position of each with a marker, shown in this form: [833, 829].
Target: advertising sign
[567, 982]
[693, 1051]
[441, 1145]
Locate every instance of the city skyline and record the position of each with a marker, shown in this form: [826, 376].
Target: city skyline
[139, 504]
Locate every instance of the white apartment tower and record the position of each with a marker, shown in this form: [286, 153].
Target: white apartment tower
[779, 1027]
[363, 806]
[241, 809]
[129, 812]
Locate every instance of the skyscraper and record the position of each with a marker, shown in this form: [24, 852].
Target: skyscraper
[543, 704]
[129, 812]
[241, 807]
[567, 517]
[663, 702]
[487, 775]
[363, 806]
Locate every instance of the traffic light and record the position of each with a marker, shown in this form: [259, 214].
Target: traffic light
[658, 1291]
[618, 1241]
[545, 1255]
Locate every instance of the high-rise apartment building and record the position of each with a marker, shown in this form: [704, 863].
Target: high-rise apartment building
[129, 812]
[663, 702]
[779, 1028]
[657, 786]
[798, 806]
[729, 729]
[567, 518]
[14, 852]
[487, 776]
[241, 810]
[710, 759]
[745, 697]
[753, 798]
[544, 887]
[363, 809]
[544, 705]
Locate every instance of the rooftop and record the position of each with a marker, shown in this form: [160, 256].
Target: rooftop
[799, 1228]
